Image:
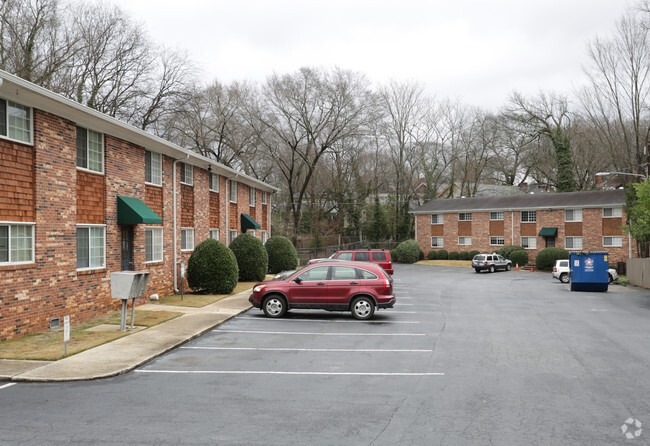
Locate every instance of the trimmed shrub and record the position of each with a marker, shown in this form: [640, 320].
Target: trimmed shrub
[408, 251]
[505, 251]
[443, 254]
[546, 258]
[519, 257]
[282, 254]
[252, 258]
[421, 256]
[463, 255]
[432, 255]
[453, 255]
[473, 253]
[393, 255]
[212, 268]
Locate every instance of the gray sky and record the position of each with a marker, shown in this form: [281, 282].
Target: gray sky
[477, 51]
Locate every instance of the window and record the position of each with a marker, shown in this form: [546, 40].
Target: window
[264, 197]
[573, 215]
[573, 243]
[214, 234]
[90, 150]
[317, 273]
[187, 174]
[16, 243]
[613, 241]
[465, 216]
[232, 235]
[214, 182]
[265, 237]
[251, 196]
[91, 247]
[153, 245]
[529, 216]
[345, 256]
[496, 241]
[437, 242]
[251, 232]
[436, 219]
[464, 240]
[529, 242]
[153, 168]
[365, 274]
[379, 256]
[233, 191]
[362, 257]
[15, 121]
[612, 212]
[496, 215]
[187, 239]
[343, 273]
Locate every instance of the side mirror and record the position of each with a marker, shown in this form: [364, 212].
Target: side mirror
[297, 280]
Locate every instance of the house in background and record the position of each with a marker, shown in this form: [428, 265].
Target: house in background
[83, 195]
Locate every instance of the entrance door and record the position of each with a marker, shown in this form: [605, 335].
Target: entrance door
[550, 242]
[127, 248]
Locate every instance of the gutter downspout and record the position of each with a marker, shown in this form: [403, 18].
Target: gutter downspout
[175, 224]
[512, 226]
[227, 198]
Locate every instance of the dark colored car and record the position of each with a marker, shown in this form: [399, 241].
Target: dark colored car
[334, 286]
[490, 262]
[378, 256]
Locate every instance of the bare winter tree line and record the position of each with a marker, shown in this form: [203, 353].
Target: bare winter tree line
[329, 138]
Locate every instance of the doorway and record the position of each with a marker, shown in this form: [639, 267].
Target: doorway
[127, 248]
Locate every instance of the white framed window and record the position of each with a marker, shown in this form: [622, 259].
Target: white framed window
[232, 235]
[16, 121]
[573, 243]
[187, 239]
[90, 150]
[264, 197]
[187, 174]
[465, 216]
[16, 243]
[437, 242]
[436, 219]
[496, 215]
[91, 247]
[251, 232]
[152, 168]
[529, 242]
[465, 240]
[529, 216]
[214, 234]
[153, 244]
[496, 241]
[251, 196]
[615, 241]
[265, 236]
[233, 191]
[214, 182]
[616, 212]
[573, 215]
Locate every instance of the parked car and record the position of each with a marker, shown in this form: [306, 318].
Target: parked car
[490, 262]
[562, 272]
[334, 286]
[378, 256]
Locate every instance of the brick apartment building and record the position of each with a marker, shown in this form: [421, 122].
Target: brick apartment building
[83, 195]
[580, 221]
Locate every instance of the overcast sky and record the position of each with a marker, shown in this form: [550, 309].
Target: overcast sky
[477, 51]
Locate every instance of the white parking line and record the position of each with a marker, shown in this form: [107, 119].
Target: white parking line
[324, 350]
[250, 318]
[303, 333]
[7, 385]
[270, 372]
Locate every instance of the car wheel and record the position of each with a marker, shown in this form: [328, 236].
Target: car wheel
[478, 270]
[508, 267]
[564, 278]
[492, 268]
[362, 308]
[274, 306]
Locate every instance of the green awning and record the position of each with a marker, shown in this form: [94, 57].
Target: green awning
[247, 222]
[131, 211]
[548, 232]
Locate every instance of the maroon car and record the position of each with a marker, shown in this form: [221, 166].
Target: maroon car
[357, 287]
[379, 256]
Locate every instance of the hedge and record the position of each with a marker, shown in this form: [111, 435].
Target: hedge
[282, 254]
[505, 251]
[432, 255]
[407, 252]
[252, 258]
[453, 255]
[443, 254]
[212, 268]
[546, 258]
[519, 257]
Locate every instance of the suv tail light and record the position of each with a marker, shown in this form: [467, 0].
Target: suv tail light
[555, 269]
[387, 284]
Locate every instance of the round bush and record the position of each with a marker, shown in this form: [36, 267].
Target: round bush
[252, 258]
[506, 250]
[453, 255]
[282, 254]
[473, 253]
[463, 255]
[432, 255]
[408, 251]
[393, 255]
[519, 257]
[421, 256]
[443, 254]
[212, 268]
[546, 258]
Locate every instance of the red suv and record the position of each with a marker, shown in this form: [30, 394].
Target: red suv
[334, 286]
[378, 256]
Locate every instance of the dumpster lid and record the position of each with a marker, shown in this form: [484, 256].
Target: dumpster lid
[548, 232]
[131, 210]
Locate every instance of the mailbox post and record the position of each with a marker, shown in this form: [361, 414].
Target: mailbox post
[127, 285]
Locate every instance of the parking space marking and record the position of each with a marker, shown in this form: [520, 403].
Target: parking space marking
[403, 312]
[7, 385]
[303, 333]
[271, 372]
[251, 318]
[334, 350]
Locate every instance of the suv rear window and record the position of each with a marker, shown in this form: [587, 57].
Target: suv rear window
[378, 256]
[479, 258]
[345, 256]
[362, 257]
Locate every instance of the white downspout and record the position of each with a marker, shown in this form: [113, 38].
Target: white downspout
[175, 225]
[227, 197]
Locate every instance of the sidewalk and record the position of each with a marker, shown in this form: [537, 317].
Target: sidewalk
[127, 353]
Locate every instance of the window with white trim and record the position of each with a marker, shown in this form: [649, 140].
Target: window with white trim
[90, 150]
[529, 242]
[497, 241]
[616, 212]
[152, 168]
[16, 243]
[496, 215]
[153, 244]
[437, 242]
[214, 234]
[232, 235]
[464, 240]
[465, 216]
[251, 196]
[214, 182]
[437, 219]
[91, 247]
[265, 199]
[573, 243]
[613, 241]
[233, 191]
[265, 236]
[187, 239]
[529, 216]
[187, 174]
[573, 215]
[16, 121]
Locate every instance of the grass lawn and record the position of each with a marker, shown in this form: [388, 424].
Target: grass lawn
[458, 263]
[191, 299]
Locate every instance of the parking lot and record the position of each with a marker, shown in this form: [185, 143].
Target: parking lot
[463, 358]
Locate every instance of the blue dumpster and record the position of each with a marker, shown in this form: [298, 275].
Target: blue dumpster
[589, 271]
